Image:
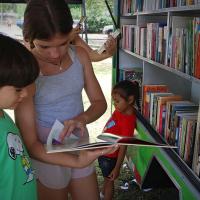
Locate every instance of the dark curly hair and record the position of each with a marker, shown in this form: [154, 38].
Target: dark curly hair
[126, 89]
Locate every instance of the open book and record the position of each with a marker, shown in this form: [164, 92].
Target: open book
[74, 143]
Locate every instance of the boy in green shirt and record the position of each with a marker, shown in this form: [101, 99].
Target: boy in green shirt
[18, 69]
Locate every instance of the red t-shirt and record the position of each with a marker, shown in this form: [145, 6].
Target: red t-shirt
[120, 124]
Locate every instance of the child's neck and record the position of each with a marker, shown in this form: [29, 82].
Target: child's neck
[129, 111]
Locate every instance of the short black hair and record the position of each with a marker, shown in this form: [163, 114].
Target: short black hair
[18, 66]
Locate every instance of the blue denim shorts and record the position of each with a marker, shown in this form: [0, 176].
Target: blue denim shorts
[106, 165]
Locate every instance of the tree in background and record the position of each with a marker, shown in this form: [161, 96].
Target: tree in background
[18, 9]
[97, 14]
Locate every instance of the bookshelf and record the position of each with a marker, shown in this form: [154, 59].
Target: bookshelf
[160, 167]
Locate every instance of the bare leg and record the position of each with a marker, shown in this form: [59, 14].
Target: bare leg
[45, 193]
[103, 188]
[108, 189]
[84, 188]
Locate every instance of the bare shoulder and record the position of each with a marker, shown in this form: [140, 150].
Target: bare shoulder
[82, 55]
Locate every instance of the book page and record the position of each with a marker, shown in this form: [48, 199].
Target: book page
[71, 143]
[55, 132]
[74, 143]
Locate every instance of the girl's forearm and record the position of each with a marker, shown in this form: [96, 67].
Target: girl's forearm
[37, 151]
[94, 111]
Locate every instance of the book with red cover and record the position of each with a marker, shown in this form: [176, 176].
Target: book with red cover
[146, 90]
[161, 112]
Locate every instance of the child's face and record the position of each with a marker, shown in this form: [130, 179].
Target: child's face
[120, 103]
[53, 49]
[11, 96]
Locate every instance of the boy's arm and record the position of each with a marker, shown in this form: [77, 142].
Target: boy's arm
[93, 54]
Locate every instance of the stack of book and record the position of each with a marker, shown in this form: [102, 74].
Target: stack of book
[173, 118]
[132, 6]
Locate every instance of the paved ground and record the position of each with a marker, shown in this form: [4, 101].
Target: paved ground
[12, 31]
[96, 40]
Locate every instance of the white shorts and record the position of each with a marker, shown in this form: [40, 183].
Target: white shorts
[58, 177]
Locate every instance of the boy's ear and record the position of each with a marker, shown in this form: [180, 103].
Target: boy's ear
[131, 100]
[32, 46]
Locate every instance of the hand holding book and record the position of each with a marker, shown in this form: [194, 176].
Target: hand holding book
[110, 44]
[89, 155]
[74, 143]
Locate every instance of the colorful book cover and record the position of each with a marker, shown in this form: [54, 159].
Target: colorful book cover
[147, 89]
[178, 124]
[190, 141]
[172, 107]
[184, 133]
[196, 156]
[161, 113]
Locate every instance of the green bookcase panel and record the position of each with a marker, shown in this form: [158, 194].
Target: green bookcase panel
[141, 158]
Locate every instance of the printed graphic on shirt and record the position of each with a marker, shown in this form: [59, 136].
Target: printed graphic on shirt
[110, 124]
[15, 148]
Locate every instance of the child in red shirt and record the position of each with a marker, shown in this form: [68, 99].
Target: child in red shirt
[125, 95]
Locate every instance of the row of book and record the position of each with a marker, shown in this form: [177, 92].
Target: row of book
[175, 120]
[184, 45]
[150, 41]
[129, 7]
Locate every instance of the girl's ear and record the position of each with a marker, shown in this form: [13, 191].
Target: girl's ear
[131, 100]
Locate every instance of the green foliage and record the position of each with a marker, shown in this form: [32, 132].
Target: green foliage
[8, 7]
[97, 14]
[18, 9]
[96, 11]
[76, 11]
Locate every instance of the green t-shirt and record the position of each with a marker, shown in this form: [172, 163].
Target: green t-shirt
[17, 181]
